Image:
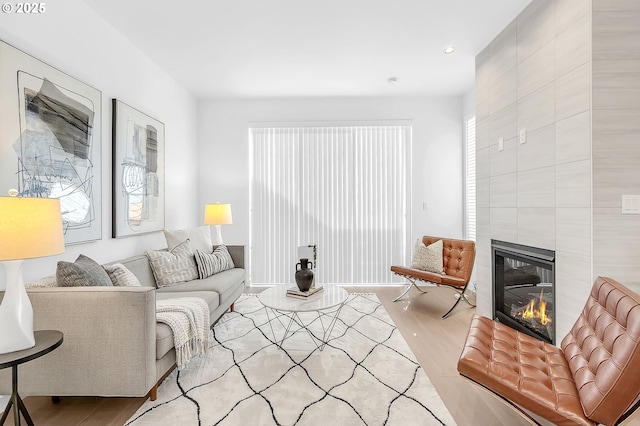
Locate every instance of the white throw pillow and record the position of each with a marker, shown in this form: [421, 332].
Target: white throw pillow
[200, 238]
[121, 276]
[428, 258]
[49, 281]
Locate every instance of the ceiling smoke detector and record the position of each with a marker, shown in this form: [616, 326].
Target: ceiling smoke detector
[449, 50]
[392, 80]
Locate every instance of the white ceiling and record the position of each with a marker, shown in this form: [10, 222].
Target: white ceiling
[309, 48]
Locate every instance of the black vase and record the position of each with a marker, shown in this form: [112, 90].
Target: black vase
[304, 275]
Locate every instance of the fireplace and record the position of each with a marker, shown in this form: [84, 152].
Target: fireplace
[524, 288]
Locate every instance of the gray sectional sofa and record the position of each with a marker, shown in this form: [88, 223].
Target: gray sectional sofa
[113, 345]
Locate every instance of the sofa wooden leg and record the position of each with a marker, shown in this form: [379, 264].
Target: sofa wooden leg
[153, 393]
[55, 399]
[232, 308]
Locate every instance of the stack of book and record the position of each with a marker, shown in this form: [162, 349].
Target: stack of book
[295, 292]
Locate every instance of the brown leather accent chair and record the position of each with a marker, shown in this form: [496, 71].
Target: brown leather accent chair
[594, 377]
[458, 257]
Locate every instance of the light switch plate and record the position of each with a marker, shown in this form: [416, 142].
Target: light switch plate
[631, 204]
[523, 136]
[500, 144]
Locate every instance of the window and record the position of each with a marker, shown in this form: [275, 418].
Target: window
[343, 189]
[470, 179]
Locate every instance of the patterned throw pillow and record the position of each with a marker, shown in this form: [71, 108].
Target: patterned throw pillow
[49, 281]
[428, 258]
[200, 238]
[121, 276]
[213, 263]
[174, 266]
[83, 272]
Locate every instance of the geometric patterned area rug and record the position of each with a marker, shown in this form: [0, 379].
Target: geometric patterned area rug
[365, 375]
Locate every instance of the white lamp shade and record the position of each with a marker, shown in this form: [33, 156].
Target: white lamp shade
[30, 228]
[217, 214]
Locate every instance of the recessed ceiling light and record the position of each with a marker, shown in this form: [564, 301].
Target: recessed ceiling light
[449, 50]
[392, 80]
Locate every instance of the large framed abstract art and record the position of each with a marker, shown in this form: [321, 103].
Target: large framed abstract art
[138, 172]
[50, 140]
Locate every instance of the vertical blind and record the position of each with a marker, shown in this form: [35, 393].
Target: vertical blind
[470, 179]
[342, 189]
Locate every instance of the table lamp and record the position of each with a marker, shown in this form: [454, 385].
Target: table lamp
[218, 214]
[29, 228]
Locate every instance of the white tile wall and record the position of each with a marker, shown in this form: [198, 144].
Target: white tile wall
[539, 150]
[536, 27]
[573, 92]
[505, 161]
[537, 188]
[573, 138]
[537, 227]
[537, 70]
[503, 190]
[537, 109]
[573, 184]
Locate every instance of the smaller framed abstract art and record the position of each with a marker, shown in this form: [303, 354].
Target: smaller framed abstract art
[138, 172]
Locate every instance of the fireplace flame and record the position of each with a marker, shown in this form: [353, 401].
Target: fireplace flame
[540, 313]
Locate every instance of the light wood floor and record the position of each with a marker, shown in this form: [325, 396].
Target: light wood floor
[435, 342]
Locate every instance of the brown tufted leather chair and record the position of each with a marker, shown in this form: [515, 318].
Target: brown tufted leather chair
[458, 257]
[594, 377]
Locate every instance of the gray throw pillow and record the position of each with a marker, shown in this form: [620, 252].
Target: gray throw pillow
[121, 276]
[83, 272]
[213, 263]
[174, 266]
[428, 258]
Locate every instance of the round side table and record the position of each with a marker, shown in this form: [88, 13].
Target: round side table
[46, 341]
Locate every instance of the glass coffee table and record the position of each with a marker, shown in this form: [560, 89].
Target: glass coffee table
[326, 304]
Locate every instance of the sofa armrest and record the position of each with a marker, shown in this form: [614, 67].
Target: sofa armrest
[237, 255]
[109, 342]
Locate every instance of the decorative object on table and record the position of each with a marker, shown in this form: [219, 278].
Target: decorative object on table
[50, 128]
[304, 275]
[218, 215]
[29, 228]
[302, 385]
[310, 252]
[138, 172]
[296, 292]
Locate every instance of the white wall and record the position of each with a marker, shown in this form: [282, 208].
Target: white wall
[224, 164]
[73, 38]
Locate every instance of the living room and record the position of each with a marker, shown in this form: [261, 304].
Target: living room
[208, 156]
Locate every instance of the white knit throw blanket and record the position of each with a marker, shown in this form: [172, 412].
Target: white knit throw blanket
[188, 318]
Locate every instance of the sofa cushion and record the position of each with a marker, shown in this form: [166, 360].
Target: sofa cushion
[174, 266]
[428, 258]
[200, 238]
[83, 272]
[121, 276]
[213, 263]
[225, 283]
[164, 335]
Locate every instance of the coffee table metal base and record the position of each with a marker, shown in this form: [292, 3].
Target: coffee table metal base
[292, 324]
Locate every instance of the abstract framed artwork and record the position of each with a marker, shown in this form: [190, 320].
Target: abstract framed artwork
[138, 172]
[50, 140]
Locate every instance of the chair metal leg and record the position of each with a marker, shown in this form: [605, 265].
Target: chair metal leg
[406, 290]
[462, 296]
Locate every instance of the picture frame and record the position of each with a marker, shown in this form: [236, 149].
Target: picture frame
[138, 172]
[50, 140]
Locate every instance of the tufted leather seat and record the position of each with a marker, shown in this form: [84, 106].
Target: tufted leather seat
[592, 378]
[457, 258]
